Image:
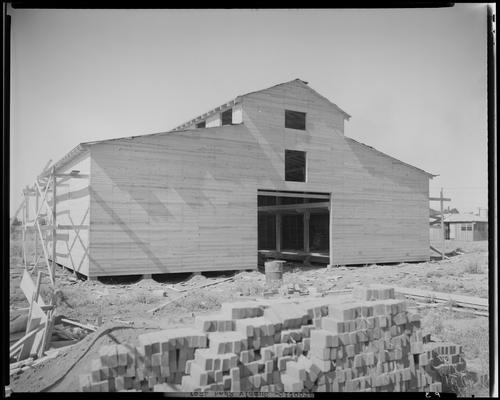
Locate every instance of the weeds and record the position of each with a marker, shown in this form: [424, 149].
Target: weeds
[249, 287]
[473, 267]
[437, 274]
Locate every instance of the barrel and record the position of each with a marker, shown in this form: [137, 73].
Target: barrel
[274, 273]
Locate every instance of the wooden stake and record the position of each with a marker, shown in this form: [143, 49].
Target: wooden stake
[34, 299]
[54, 225]
[330, 232]
[442, 225]
[24, 231]
[36, 236]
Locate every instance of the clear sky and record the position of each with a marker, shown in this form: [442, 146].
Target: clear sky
[413, 80]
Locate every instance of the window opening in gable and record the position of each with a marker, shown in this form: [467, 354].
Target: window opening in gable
[295, 120]
[227, 117]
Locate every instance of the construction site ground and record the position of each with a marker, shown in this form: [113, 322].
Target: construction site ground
[125, 305]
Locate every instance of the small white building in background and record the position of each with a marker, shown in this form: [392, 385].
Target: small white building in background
[464, 227]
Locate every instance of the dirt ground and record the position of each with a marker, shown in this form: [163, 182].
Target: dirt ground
[128, 302]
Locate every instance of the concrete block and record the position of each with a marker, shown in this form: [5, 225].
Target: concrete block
[85, 382]
[324, 338]
[239, 310]
[282, 361]
[344, 339]
[322, 365]
[332, 325]
[306, 330]
[320, 352]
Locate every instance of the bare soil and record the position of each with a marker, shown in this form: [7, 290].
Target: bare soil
[127, 302]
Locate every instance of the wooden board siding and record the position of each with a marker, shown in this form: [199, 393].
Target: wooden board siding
[73, 208]
[184, 201]
[380, 206]
[187, 201]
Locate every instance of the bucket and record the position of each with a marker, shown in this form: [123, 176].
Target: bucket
[274, 273]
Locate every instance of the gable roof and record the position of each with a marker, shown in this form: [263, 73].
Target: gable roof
[84, 147]
[239, 98]
[465, 218]
[390, 157]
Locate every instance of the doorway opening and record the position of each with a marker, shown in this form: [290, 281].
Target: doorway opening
[293, 225]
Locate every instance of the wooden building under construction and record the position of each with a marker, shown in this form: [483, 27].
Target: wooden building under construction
[267, 173]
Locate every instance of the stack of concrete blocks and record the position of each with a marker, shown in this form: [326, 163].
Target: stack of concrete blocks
[158, 363]
[370, 343]
[364, 342]
[251, 348]
[444, 360]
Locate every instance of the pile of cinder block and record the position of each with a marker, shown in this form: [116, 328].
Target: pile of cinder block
[159, 361]
[368, 341]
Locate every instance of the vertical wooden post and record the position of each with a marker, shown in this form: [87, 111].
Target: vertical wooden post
[35, 262]
[34, 299]
[307, 215]
[24, 229]
[278, 227]
[442, 225]
[54, 225]
[330, 231]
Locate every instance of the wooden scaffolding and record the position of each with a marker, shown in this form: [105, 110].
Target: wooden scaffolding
[38, 215]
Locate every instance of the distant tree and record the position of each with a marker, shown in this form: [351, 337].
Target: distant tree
[454, 211]
[16, 222]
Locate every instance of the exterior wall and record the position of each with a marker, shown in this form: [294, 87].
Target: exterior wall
[381, 209]
[380, 206]
[184, 201]
[73, 210]
[435, 233]
[187, 201]
[480, 231]
[476, 233]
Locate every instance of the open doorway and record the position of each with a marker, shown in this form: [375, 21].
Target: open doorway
[293, 225]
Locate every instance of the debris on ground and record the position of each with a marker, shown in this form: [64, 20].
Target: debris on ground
[127, 304]
[274, 346]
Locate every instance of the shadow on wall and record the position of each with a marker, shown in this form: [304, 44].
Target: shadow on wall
[125, 228]
[364, 155]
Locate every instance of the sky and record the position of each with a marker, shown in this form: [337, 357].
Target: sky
[413, 80]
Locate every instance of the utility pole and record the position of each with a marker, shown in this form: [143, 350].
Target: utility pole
[442, 224]
[441, 200]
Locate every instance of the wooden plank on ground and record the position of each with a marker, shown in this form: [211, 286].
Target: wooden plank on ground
[464, 301]
[38, 318]
[20, 342]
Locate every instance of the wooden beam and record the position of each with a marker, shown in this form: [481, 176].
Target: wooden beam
[278, 228]
[442, 225]
[297, 195]
[463, 301]
[76, 176]
[45, 253]
[307, 216]
[25, 337]
[300, 206]
[54, 224]
[439, 198]
[330, 230]
[72, 227]
[36, 236]
[17, 212]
